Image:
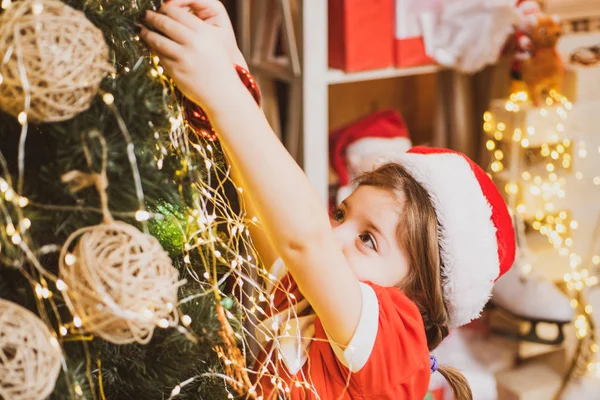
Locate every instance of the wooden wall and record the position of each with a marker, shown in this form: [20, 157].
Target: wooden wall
[413, 96]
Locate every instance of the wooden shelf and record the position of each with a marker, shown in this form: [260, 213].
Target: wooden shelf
[573, 9]
[336, 76]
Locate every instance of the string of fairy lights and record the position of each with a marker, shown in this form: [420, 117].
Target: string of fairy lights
[549, 156]
[204, 251]
[531, 157]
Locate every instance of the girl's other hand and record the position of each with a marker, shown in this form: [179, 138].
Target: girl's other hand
[192, 52]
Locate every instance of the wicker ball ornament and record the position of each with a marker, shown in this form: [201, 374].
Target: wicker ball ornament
[51, 56]
[120, 282]
[30, 356]
[196, 117]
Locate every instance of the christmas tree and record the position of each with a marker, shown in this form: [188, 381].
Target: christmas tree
[116, 231]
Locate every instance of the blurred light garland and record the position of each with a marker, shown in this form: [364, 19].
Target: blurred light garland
[530, 164]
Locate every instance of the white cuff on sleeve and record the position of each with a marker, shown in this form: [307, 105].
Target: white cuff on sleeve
[358, 351]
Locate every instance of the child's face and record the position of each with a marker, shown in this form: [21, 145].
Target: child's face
[365, 226]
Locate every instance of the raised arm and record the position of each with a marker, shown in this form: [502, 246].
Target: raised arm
[260, 240]
[287, 205]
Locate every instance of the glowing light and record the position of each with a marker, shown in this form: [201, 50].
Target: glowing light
[22, 117]
[61, 285]
[77, 321]
[70, 259]
[142, 215]
[545, 151]
[573, 224]
[517, 135]
[490, 144]
[108, 98]
[525, 142]
[511, 188]
[16, 239]
[37, 8]
[573, 303]
[186, 320]
[163, 323]
[176, 390]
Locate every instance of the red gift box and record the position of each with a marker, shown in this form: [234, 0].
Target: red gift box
[409, 44]
[361, 34]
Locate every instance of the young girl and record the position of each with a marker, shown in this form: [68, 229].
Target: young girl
[366, 295]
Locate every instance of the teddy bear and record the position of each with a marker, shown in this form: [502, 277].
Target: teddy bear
[543, 71]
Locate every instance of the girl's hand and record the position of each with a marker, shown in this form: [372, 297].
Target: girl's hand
[213, 12]
[193, 53]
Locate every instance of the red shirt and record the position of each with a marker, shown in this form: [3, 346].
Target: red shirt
[387, 357]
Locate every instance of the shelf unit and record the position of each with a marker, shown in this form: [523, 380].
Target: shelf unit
[314, 80]
[336, 76]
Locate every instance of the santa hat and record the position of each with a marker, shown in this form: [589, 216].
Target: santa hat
[380, 133]
[477, 240]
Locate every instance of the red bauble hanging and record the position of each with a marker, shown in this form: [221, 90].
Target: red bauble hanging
[196, 117]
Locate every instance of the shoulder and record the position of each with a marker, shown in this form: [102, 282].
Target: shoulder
[388, 352]
[400, 328]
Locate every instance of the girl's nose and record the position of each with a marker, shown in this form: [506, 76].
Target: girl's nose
[343, 234]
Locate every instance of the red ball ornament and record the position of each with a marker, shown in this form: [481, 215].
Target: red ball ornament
[196, 117]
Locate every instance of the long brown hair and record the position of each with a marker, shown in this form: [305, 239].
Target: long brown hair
[418, 235]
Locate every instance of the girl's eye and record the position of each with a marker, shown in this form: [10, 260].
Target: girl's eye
[368, 240]
[338, 215]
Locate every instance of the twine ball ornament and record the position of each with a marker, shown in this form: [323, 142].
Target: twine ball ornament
[30, 357]
[51, 56]
[120, 282]
[196, 117]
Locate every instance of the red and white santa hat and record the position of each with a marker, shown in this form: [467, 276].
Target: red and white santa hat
[477, 240]
[382, 133]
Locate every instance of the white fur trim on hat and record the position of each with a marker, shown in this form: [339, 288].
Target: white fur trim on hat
[468, 243]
